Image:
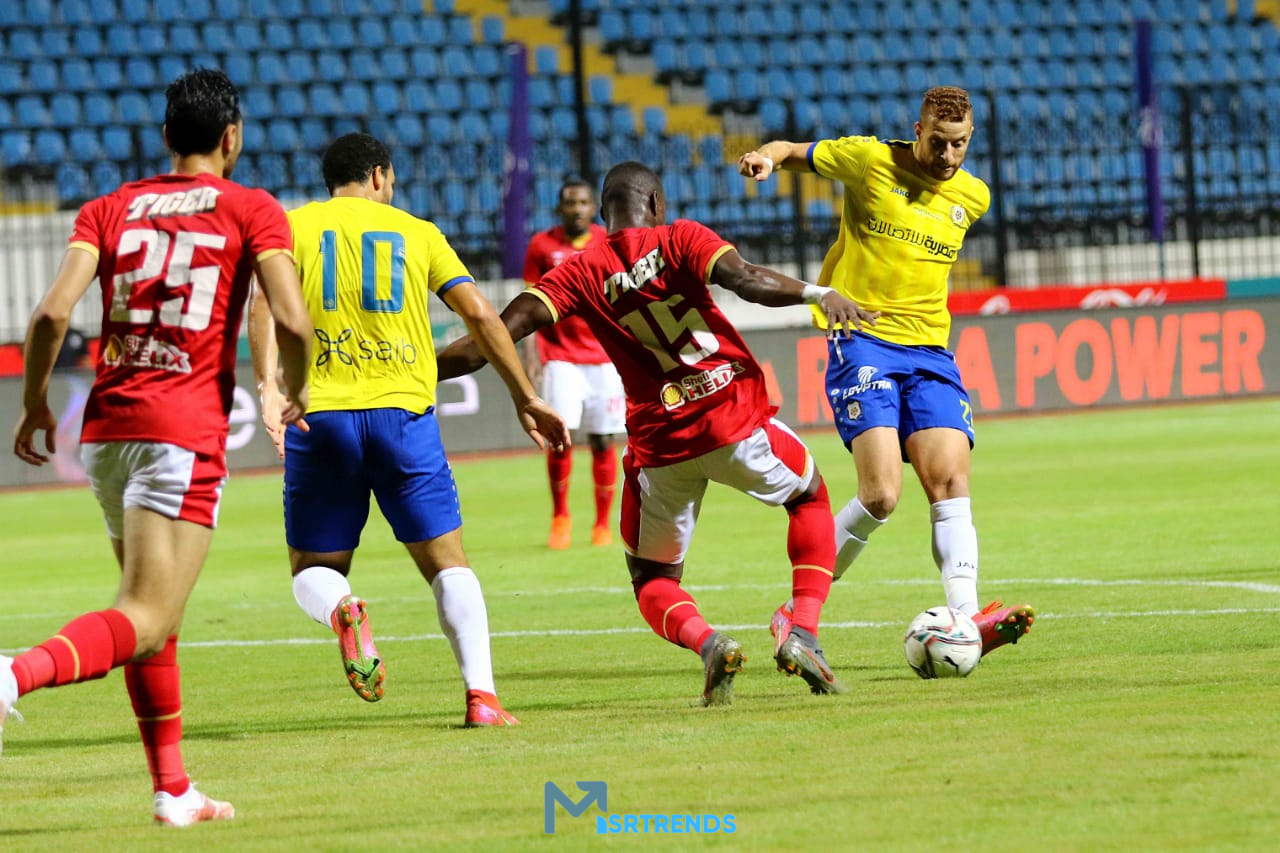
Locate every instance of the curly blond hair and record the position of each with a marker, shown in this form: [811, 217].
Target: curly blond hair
[946, 103]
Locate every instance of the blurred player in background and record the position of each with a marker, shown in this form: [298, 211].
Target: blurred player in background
[697, 411]
[368, 270]
[578, 379]
[895, 390]
[174, 255]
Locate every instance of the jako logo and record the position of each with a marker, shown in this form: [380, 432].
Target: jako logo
[609, 824]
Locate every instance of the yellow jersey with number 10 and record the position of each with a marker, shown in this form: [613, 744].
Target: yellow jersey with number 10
[900, 232]
[368, 270]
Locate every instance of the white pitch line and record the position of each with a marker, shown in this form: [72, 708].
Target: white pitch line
[596, 632]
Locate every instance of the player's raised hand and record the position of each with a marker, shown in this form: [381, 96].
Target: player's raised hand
[544, 424]
[24, 435]
[844, 315]
[753, 164]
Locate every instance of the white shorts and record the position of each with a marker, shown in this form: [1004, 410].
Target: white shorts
[173, 481]
[660, 505]
[587, 396]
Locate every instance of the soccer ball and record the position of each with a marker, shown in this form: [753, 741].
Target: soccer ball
[942, 643]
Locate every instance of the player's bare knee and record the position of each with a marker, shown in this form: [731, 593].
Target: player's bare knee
[880, 503]
[945, 486]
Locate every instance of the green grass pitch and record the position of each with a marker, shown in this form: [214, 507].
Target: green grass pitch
[1141, 713]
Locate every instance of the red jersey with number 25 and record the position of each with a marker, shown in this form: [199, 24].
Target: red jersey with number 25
[175, 257]
[692, 385]
[569, 340]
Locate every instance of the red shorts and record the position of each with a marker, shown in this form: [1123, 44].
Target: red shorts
[171, 480]
[660, 505]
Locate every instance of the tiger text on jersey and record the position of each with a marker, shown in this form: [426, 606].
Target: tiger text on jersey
[179, 203]
[643, 271]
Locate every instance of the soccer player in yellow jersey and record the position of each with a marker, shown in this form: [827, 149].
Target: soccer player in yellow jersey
[368, 271]
[894, 388]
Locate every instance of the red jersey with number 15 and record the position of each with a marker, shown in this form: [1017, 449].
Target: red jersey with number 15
[692, 385]
[569, 340]
[175, 257]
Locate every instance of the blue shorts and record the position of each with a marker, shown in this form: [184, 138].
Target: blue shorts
[330, 471]
[873, 383]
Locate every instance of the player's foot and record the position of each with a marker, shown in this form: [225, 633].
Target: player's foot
[360, 659]
[8, 695]
[780, 625]
[723, 659]
[191, 807]
[484, 709]
[561, 531]
[799, 655]
[999, 624]
[601, 535]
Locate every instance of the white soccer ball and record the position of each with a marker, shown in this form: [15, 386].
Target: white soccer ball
[942, 643]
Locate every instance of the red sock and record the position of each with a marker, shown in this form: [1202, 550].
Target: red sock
[87, 647]
[604, 471]
[811, 545]
[559, 464]
[672, 613]
[155, 690]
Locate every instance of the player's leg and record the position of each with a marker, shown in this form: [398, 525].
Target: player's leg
[417, 494]
[564, 387]
[862, 388]
[603, 417]
[326, 505]
[659, 512]
[773, 466]
[938, 423]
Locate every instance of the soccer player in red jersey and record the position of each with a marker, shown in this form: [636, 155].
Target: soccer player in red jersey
[697, 410]
[578, 380]
[174, 255]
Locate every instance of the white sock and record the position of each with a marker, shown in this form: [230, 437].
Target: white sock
[955, 550]
[318, 589]
[465, 621]
[854, 525]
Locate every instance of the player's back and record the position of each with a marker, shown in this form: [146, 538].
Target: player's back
[175, 258]
[368, 270]
[692, 385]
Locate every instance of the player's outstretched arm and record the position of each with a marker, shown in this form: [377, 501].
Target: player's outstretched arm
[768, 158]
[771, 288]
[48, 327]
[292, 326]
[492, 339]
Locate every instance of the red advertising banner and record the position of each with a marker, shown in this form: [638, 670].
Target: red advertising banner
[1012, 301]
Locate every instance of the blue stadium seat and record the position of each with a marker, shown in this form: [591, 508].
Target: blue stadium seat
[170, 67]
[332, 68]
[456, 61]
[99, 110]
[386, 97]
[65, 111]
[718, 85]
[418, 97]
[432, 31]
[424, 63]
[31, 111]
[55, 42]
[310, 34]
[108, 74]
[372, 33]
[460, 30]
[257, 103]
[24, 44]
[87, 42]
[15, 147]
[42, 76]
[492, 29]
[546, 60]
[488, 61]
[299, 66]
[216, 36]
[291, 102]
[440, 128]
[478, 95]
[599, 89]
[117, 142]
[655, 120]
[248, 36]
[281, 134]
[85, 145]
[449, 95]
[355, 98]
[139, 73]
[341, 34]
[82, 12]
[72, 182]
[106, 177]
[188, 10]
[393, 64]
[409, 130]
[48, 148]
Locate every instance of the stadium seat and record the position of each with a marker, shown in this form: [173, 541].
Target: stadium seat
[140, 73]
[42, 76]
[291, 102]
[424, 63]
[65, 110]
[72, 183]
[324, 100]
[449, 95]
[341, 34]
[108, 73]
[48, 147]
[32, 112]
[355, 99]
[441, 129]
[84, 145]
[248, 37]
[332, 68]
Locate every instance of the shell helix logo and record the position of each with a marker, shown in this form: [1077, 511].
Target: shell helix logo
[704, 383]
